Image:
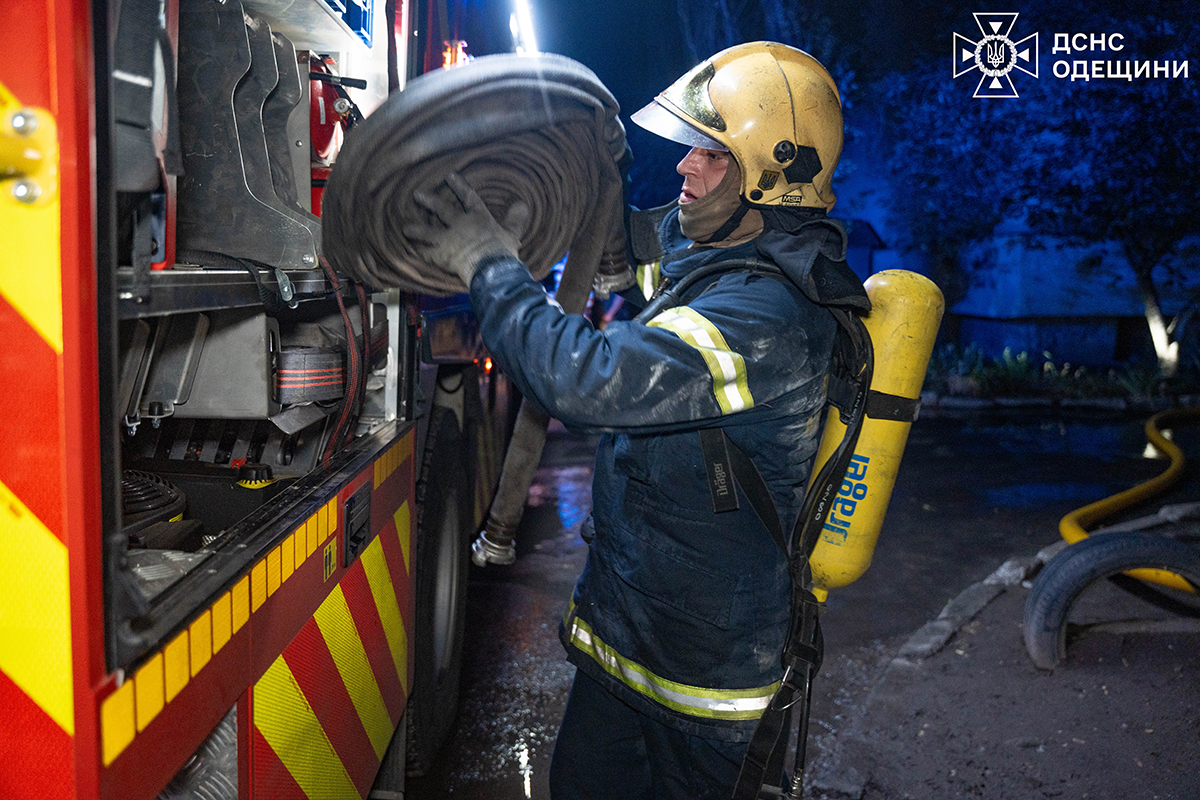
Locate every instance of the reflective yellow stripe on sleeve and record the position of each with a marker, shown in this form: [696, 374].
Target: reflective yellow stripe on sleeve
[696, 701]
[647, 277]
[727, 367]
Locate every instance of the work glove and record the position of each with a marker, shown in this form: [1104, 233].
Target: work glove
[459, 233]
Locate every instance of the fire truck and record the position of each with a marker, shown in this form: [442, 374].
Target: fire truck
[237, 490]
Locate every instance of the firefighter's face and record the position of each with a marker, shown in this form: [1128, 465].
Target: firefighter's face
[702, 170]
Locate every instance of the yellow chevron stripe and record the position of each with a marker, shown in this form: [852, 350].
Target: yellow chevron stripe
[345, 645]
[31, 272]
[727, 367]
[35, 610]
[403, 519]
[287, 722]
[375, 565]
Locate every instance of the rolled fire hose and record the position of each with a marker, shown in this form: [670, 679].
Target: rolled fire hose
[540, 130]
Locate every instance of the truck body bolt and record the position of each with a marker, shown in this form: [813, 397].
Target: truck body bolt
[24, 122]
[26, 192]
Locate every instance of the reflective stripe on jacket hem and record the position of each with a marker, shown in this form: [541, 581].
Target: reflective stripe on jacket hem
[696, 701]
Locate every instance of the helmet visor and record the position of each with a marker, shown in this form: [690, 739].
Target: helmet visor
[659, 120]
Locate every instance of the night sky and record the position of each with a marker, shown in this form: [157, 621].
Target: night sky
[637, 51]
[935, 171]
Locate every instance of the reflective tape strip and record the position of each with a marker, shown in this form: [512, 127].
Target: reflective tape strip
[384, 592]
[696, 701]
[647, 277]
[286, 720]
[403, 521]
[374, 639]
[31, 272]
[346, 647]
[35, 611]
[149, 691]
[727, 367]
[169, 672]
[387, 463]
[116, 722]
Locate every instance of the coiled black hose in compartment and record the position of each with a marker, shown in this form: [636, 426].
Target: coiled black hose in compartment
[540, 130]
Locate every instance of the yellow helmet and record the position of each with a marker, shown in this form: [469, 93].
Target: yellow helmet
[772, 107]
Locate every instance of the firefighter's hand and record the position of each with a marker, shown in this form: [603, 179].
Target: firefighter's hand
[459, 232]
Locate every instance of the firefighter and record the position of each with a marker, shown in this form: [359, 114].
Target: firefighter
[677, 622]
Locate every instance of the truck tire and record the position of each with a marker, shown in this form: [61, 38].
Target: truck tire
[442, 563]
[1065, 577]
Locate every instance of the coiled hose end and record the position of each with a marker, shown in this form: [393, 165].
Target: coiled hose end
[492, 547]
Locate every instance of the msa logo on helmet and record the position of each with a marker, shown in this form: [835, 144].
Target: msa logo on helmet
[995, 55]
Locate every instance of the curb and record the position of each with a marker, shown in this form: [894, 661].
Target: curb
[830, 775]
[932, 636]
[932, 401]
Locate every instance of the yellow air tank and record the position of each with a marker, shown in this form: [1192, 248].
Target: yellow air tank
[906, 309]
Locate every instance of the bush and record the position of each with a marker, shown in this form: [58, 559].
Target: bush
[966, 372]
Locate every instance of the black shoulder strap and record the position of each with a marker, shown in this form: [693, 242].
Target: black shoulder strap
[804, 647]
[853, 366]
[725, 462]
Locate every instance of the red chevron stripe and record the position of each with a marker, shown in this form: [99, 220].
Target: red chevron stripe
[272, 781]
[30, 738]
[32, 462]
[370, 630]
[401, 580]
[318, 677]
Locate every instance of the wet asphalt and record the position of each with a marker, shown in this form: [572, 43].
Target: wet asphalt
[974, 489]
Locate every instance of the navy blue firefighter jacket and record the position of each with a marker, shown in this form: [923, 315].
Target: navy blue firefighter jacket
[680, 611]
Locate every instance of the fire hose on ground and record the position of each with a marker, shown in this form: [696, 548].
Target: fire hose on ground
[1126, 556]
[1073, 527]
[539, 130]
